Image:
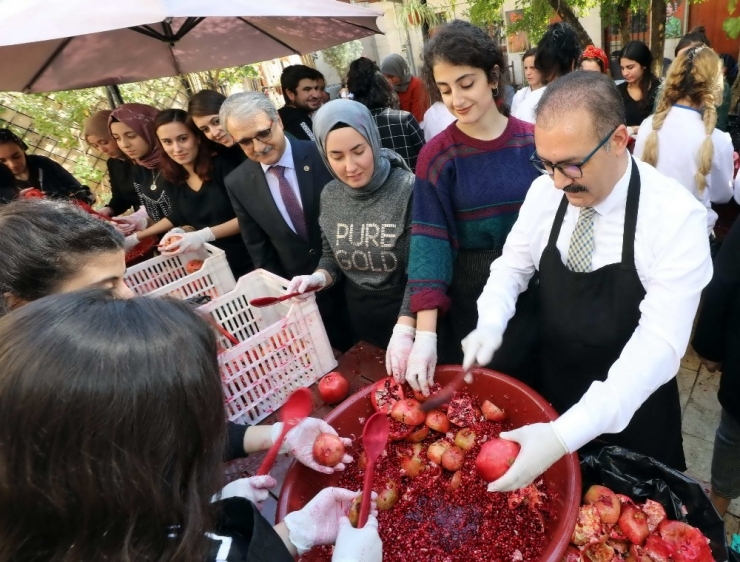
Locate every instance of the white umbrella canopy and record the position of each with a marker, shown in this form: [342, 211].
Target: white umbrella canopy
[50, 46]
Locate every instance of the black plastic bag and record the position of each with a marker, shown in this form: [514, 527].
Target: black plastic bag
[642, 478]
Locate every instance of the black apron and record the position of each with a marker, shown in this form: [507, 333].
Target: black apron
[586, 319]
[470, 273]
[372, 313]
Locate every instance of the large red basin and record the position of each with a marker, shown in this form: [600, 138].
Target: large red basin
[524, 406]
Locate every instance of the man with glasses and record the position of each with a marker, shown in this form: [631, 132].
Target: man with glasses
[276, 193]
[622, 257]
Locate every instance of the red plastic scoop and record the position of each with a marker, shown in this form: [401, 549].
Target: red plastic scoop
[374, 439]
[259, 302]
[294, 411]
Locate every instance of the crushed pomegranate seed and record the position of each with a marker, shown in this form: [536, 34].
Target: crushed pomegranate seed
[467, 524]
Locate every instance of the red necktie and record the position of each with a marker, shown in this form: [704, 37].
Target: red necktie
[292, 205]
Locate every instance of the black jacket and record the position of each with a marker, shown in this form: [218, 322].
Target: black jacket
[56, 182]
[717, 335]
[297, 122]
[271, 242]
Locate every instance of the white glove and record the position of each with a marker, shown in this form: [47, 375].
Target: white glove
[480, 345]
[130, 242]
[301, 283]
[135, 222]
[541, 447]
[253, 488]
[298, 443]
[422, 361]
[318, 522]
[399, 348]
[190, 241]
[358, 545]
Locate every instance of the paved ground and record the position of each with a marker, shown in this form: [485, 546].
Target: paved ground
[701, 411]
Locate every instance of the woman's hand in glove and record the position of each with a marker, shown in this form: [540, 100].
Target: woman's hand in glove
[188, 242]
[299, 442]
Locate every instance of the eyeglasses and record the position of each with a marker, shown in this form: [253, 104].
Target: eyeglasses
[262, 136]
[572, 171]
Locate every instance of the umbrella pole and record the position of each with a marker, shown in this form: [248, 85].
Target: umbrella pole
[114, 96]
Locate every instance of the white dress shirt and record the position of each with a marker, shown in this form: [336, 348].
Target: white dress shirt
[286, 160]
[673, 264]
[679, 142]
[525, 100]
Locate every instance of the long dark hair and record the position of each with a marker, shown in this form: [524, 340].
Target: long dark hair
[45, 243]
[640, 53]
[203, 165]
[461, 43]
[205, 103]
[368, 85]
[111, 430]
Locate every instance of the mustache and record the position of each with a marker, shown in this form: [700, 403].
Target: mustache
[574, 188]
[267, 150]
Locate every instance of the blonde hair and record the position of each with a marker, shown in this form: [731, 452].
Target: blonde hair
[696, 74]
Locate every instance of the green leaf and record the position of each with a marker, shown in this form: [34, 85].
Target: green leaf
[732, 27]
[731, 5]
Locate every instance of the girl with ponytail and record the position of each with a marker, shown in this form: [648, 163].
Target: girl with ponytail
[681, 140]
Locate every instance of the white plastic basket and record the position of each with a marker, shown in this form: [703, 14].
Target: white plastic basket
[167, 276]
[282, 347]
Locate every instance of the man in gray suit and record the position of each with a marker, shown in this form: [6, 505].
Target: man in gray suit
[276, 195]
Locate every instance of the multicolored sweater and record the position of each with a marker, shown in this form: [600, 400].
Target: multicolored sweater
[467, 196]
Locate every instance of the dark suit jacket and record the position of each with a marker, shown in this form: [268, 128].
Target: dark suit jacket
[271, 242]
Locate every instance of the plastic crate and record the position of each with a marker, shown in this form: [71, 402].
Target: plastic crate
[282, 347]
[167, 276]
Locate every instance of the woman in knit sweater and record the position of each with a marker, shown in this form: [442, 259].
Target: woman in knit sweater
[470, 182]
[365, 222]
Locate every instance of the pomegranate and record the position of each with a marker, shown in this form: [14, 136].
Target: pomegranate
[571, 555]
[354, 511]
[328, 449]
[437, 449]
[588, 526]
[655, 549]
[465, 438]
[385, 393]
[193, 265]
[333, 388]
[413, 465]
[418, 434]
[633, 524]
[687, 543]
[387, 496]
[453, 458]
[495, 458]
[454, 482]
[492, 412]
[437, 421]
[605, 501]
[655, 514]
[460, 411]
[598, 552]
[408, 411]
[398, 431]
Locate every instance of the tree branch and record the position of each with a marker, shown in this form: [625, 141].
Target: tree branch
[567, 15]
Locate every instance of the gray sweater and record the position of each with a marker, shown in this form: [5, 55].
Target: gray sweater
[366, 236]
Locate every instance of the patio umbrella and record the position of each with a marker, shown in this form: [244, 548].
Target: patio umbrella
[49, 46]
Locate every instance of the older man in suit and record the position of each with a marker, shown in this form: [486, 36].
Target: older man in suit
[276, 195]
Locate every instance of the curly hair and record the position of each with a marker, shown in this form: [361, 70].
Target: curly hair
[368, 85]
[695, 75]
[461, 43]
[557, 52]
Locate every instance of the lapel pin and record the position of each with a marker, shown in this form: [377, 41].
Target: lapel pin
[306, 168]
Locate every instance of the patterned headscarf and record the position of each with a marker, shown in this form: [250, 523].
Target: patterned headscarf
[140, 119]
[592, 52]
